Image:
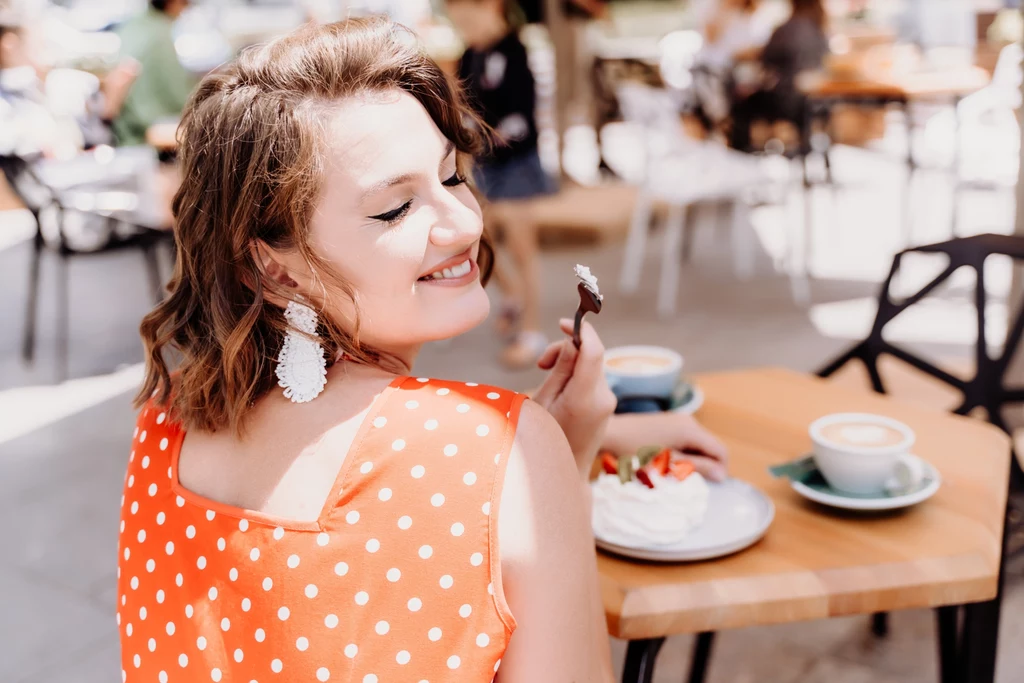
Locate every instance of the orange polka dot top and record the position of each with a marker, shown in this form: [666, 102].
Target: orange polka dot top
[398, 580]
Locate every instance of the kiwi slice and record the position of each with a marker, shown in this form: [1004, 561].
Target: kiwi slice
[646, 453]
[625, 468]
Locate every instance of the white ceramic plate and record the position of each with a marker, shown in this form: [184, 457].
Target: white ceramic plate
[738, 516]
[930, 484]
[693, 405]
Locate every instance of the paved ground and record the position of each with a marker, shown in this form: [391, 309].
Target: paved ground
[63, 447]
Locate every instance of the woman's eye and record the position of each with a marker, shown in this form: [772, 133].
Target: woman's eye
[454, 181]
[395, 215]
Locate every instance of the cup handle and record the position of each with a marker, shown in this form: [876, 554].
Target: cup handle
[907, 474]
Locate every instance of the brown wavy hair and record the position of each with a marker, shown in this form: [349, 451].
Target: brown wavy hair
[253, 143]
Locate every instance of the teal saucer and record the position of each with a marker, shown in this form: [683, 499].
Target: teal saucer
[805, 478]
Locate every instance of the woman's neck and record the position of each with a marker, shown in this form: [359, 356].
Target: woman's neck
[398, 361]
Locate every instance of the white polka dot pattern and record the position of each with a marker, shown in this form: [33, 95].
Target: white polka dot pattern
[368, 592]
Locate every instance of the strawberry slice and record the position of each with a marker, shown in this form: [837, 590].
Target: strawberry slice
[609, 463]
[681, 469]
[661, 461]
[644, 478]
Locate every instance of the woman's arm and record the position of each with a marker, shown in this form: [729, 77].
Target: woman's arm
[548, 562]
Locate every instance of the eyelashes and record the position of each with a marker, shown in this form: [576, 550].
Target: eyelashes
[455, 180]
[395, 215]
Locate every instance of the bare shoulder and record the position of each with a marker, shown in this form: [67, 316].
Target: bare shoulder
[539, 436]
[541, 497]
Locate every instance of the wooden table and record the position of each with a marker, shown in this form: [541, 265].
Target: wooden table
[949, 85]
[898, 88]
[816, 563]
[942, 86]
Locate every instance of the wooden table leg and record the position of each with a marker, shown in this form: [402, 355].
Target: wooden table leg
[640, 658]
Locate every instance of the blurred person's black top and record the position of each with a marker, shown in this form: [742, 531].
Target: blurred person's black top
[533, 10]
[798, 45]
[500, 86]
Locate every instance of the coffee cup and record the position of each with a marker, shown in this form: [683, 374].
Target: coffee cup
[642, 371]
[860, 453]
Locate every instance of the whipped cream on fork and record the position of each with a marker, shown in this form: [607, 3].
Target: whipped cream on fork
[588, 279]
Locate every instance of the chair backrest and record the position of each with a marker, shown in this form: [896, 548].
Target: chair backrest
[650, 107]
[26, 186]
[1007, 74]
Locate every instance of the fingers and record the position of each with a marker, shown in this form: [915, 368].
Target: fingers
[550, 356]
[710, 468]
[590, 366]
[561, 373]
[705, 443]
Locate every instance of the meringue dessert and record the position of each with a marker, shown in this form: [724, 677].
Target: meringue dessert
[647, 504]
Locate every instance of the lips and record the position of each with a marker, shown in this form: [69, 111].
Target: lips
[452, 269]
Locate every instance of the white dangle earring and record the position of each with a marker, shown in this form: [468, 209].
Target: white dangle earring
[301, 367]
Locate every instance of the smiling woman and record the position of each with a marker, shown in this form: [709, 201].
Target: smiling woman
[362, 525]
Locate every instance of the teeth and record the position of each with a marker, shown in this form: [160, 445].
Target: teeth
[453, 272]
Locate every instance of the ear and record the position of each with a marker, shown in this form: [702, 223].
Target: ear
[272, 264]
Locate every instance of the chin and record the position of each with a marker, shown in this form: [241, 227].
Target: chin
[457, 316]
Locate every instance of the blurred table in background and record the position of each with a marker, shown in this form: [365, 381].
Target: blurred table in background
[944, 86]
[921, 85]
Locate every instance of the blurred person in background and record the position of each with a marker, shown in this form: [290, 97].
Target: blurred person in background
[798, 45]
[733, 31]
[499, 84]
[30, 126]
[163, 85]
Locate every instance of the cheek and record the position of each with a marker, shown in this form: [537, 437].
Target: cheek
[384, 264]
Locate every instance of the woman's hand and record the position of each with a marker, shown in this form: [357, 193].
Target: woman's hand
[576, 393]
[683, 434]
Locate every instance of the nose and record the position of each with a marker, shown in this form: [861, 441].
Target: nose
[458, 225]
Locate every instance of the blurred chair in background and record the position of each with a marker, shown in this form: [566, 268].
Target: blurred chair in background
[81, 202]
[687, 176]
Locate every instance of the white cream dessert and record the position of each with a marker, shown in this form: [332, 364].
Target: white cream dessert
[633, 514]
[589, 279]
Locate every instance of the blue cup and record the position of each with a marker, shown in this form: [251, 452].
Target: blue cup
[651, 372]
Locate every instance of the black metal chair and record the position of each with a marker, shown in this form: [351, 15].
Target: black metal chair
[41, 200]
[986, 390]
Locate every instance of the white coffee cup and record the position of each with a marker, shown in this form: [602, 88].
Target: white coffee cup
[859, 453]
[643, 370]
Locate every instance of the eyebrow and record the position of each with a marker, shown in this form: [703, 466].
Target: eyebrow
[403, 178]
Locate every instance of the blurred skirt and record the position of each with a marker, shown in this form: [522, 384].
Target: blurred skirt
[519, 177]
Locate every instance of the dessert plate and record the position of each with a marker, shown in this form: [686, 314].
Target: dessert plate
[738, 516]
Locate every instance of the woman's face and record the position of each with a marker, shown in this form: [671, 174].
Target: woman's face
[398, 222]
